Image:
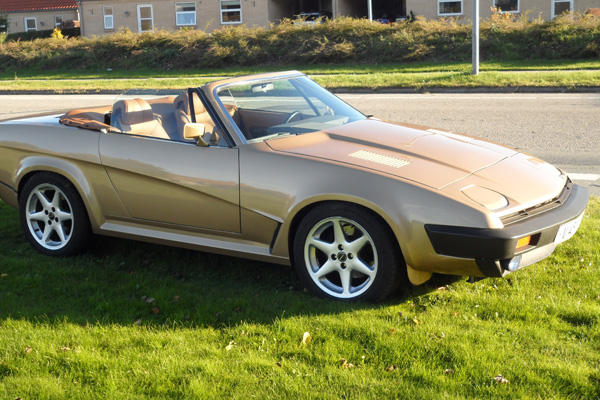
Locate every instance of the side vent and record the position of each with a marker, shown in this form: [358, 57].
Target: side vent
[380, 159]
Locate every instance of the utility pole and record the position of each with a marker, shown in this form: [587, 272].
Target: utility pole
[475, 37]
[370, 10]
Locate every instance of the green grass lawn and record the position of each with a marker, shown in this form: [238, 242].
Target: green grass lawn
[421, 76]
[133, 320]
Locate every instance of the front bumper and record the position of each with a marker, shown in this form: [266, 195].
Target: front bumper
[494, 249]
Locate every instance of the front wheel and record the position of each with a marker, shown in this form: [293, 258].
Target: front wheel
[53, 215]
[345, 252]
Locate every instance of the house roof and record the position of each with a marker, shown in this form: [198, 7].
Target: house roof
[36, 5]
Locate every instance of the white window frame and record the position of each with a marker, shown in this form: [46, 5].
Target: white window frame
[186, 13]
[518, 10]
[223, 11]
[571, 5]
[59, 24]
[139, 15]
[108, 17]
[449, 14]
[27, 29]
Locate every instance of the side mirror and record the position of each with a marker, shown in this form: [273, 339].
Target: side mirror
[195, 132]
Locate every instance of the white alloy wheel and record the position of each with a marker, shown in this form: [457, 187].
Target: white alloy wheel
[346, 252]
[49, 216]
[341, 257]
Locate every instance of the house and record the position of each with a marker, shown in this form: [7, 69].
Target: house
[104, 16]
[547, 9]
[38, 15]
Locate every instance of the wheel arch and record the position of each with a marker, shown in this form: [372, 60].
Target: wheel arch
[32, 166]
[301, 213]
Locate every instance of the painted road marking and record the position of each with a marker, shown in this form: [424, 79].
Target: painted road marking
[584, 177]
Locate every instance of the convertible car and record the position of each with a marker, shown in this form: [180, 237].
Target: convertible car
[273, 167]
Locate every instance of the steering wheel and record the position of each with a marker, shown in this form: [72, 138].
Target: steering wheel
[291, 117]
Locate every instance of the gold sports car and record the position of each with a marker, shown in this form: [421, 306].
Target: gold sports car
[273, 167]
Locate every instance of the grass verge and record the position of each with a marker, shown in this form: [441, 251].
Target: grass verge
[136, 320]
[420, 76]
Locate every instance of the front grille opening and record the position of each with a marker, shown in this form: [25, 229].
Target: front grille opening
[540, 208]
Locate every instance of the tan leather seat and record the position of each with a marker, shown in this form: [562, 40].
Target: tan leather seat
[137, 118]
[181, 108]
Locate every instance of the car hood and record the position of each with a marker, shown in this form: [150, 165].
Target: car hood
[431, 157]
[492, 175]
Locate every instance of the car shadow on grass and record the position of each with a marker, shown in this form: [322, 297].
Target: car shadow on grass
[125, 282]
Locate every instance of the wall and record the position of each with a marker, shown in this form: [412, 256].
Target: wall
[44, 19]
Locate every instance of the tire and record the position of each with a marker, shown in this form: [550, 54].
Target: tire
[344, 252]
[53, 216]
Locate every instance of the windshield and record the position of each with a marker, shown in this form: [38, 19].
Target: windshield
[287, 106]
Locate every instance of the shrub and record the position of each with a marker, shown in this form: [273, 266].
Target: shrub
[340, 40]
[32, 35]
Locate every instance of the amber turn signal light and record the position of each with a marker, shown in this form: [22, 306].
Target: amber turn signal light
[523, 242]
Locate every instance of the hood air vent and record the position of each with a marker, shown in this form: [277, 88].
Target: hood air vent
[380, 159]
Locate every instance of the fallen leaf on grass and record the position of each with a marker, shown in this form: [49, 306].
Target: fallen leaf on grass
[391, 368]
[155, 310]
[442, 288]
[176, 299]
[455, 313]
[4, 276]
[230, 345]
[346, 364]
[278, 363]
[28, 350]
[500, 379]
[416, 321]
[448, 371]
[65, 348]
[306, 338]
[150, 300]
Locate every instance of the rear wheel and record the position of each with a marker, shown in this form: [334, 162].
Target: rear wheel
[345, 252]
[53, 215]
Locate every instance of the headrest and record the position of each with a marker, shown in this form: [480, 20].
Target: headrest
[131, 112]
[182, 103]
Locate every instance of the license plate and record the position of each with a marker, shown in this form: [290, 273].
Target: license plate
[567, 230]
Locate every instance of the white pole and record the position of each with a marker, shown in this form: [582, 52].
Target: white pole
[370, 10]
[475, 37]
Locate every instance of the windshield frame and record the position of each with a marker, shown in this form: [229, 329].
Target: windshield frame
[215, 87]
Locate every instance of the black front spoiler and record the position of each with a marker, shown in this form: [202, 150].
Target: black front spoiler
[494, 248]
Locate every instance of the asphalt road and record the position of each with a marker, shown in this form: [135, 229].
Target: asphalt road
[563, 129]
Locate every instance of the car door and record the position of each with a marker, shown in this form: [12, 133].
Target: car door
[166, 182]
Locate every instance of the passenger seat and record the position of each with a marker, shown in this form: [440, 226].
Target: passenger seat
[136, 117]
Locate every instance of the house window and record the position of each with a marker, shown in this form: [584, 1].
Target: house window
[108, 18]
[30, 24]
[185, 14]
[231, 11]
[446, 7]
[507, 5]
[145, 17]
[58, 21]
[561, 6]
